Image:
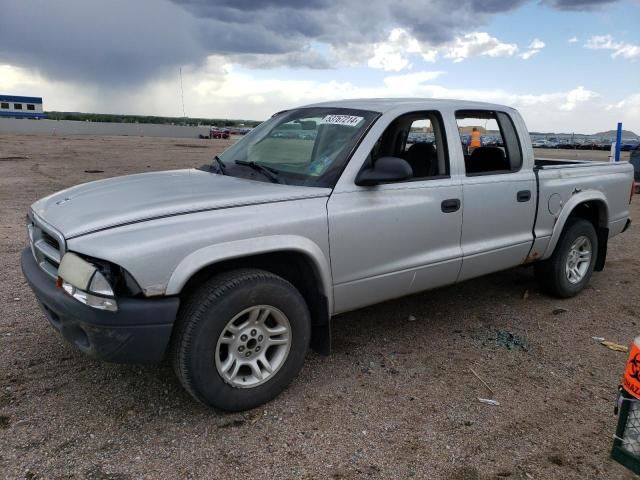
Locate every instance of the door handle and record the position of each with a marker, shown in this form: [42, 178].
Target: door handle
[524, 195]
[451, 205]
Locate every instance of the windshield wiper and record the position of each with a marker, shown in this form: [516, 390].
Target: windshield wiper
[221, 165]
[270, 173]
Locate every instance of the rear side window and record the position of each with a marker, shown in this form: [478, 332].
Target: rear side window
[489, 142]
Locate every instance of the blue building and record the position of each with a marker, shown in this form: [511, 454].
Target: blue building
[21, 107]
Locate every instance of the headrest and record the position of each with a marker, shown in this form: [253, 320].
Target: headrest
[487, 159]
[420, 151]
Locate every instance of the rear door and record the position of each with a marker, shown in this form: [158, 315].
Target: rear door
[499, 196]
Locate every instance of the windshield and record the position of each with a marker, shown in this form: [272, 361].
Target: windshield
[305, 146]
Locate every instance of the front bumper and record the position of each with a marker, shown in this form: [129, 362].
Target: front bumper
[138, 332]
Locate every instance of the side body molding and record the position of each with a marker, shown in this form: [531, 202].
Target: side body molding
[211, 254]
[572, 203]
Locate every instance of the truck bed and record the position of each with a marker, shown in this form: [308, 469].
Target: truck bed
[562, 183]
[547, 163]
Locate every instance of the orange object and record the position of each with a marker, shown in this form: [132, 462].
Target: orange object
[631, 378]
[475, 140]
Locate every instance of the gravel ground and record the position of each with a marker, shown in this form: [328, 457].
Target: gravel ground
[397, 399]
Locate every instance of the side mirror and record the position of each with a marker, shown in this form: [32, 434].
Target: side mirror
[385, 169]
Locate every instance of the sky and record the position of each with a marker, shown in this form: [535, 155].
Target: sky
[567, 65]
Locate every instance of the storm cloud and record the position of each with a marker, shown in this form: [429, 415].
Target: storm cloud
[123, 42]
[578, 4]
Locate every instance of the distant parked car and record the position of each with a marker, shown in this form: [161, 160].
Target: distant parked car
[540, 144]
[588, 146]
[219, 133]
[628, 146]
[635, 161]
[419, 138]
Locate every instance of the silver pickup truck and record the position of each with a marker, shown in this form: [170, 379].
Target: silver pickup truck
[234, 269]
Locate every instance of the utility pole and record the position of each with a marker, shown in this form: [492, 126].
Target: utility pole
[184, 115]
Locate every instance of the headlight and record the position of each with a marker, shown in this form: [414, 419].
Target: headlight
[100, 285]
[84, 282]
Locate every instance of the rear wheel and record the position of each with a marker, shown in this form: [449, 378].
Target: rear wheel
[569, 269]
[241, 339]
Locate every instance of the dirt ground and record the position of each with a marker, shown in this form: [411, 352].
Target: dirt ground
[397, 399]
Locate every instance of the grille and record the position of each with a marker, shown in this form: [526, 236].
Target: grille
[47, 245]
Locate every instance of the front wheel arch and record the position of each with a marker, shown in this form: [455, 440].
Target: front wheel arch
[205, 316]
[296, 268]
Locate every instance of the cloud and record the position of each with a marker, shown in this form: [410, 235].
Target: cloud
[392, 55]
[620, 49]
[573, 40]
[534, 47]
[628, 107]
[303, 59]
[577, 96]
[123, 55]
[124, 42]
[218, 89]
[113, 43]
[396, 52]
[578, 4]
[410, 81]
[477, 44]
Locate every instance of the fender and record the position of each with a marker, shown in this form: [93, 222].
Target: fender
[565, 213]
[211, 254]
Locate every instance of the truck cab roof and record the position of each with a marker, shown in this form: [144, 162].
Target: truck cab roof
[384, 105]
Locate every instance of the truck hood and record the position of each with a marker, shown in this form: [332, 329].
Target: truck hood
[118, 201]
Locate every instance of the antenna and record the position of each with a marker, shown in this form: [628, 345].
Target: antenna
[184, 115]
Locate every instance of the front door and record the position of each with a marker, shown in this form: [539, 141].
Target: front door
[398, 238]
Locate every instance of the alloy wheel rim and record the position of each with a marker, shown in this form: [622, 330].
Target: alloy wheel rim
[578, 260]
[253, 346]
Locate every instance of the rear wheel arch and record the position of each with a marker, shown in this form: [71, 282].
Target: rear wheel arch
[595, 212]
[569, 269]
[591, 206]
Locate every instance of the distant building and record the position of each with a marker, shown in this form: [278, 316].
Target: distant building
[21, 107]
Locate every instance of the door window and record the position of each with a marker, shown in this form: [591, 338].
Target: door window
[419, 139]
[489, 142]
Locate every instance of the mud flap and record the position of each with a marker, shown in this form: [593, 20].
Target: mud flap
[321, 338]
[321, 329]
[603, 238]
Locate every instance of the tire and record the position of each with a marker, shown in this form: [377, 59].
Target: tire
[556, 275]
[218, 324]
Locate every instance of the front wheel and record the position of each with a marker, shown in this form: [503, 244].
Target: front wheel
[241, 339]
[569, 269]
